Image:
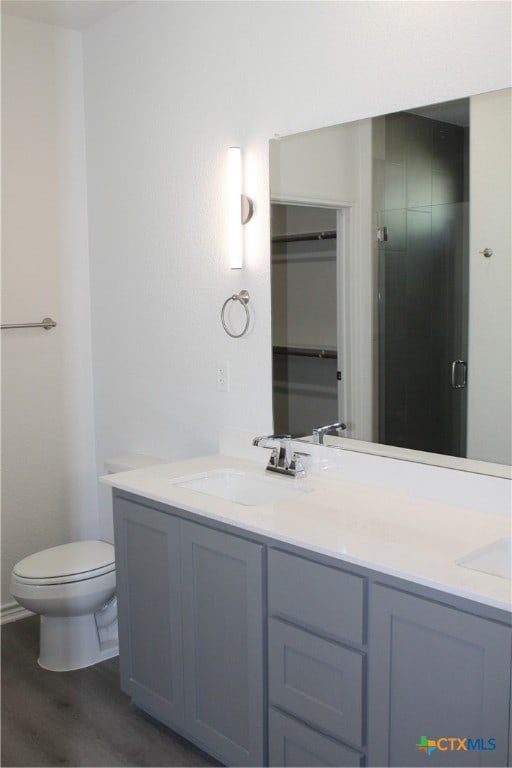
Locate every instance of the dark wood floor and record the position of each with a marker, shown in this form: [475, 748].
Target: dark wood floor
[78, 718]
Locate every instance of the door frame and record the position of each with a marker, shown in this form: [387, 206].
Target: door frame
[354, 315]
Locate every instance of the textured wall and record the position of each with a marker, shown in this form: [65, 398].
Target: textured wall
[48, 463]
[169, 86]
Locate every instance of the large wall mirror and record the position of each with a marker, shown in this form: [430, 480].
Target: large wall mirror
[391, 284]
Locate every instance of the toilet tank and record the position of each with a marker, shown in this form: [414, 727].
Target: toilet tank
[122, 463]
[127, 461]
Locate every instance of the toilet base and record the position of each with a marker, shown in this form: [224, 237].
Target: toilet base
[72, 642]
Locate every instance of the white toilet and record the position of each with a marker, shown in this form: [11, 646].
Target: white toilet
[72, 587]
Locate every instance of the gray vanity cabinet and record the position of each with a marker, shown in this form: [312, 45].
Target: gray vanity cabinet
[191, 629]
[149, 609]
[363, 668]
[316, 663]
[436, 672]
[222, 583]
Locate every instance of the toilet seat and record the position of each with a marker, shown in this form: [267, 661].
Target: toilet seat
[67, 563]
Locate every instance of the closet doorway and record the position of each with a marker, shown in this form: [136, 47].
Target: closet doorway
[305, 310]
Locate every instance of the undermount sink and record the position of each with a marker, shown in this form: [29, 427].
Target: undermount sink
[495, 559]
[247, 488]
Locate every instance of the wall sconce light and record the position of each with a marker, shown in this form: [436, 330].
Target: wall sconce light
[240, 208]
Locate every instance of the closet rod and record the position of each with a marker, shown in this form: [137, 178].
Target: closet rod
[324, 354]
[329, 234]
[45, 323]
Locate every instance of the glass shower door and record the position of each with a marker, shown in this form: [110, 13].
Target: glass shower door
[423, 328]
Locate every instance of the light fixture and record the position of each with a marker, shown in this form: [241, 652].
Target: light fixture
[240, 208]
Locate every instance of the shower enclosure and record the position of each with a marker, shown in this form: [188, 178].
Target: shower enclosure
[421, 202]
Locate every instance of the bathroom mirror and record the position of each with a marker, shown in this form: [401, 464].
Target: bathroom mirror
[391, 283]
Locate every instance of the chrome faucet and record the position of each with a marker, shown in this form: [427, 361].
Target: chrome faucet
[319, 432]
[282, 459]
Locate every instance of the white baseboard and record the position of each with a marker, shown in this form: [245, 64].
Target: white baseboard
[12, 612]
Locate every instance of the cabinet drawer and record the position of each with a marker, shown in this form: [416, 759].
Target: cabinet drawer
[292, 743]
[317, 680]
[317, 596]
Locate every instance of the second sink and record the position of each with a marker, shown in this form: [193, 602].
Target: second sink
[247, 488]
[495, 559]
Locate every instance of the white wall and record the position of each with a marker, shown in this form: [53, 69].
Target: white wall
[490, 285]
[49, 486]
[169, 86]
[321, 164]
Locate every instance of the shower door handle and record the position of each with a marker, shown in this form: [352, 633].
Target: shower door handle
[459, 374]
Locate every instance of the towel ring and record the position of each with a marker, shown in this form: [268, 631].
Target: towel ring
[243, 298]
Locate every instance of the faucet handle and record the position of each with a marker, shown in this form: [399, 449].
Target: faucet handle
[281, 446]
[261, 440]
[298, 464]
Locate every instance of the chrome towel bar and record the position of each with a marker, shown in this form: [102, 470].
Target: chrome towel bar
[45, 323]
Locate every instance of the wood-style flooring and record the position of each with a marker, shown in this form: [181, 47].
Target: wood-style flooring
[78, 718]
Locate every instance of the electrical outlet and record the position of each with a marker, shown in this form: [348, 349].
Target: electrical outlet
[222, 377]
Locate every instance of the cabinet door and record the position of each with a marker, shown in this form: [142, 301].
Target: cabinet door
[223, 643]
[440, 675]
[147, 546]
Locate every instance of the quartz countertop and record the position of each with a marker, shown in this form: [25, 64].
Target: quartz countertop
[412, 538]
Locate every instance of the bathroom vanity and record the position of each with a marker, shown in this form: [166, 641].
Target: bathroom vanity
[191, 619]
[331, 628]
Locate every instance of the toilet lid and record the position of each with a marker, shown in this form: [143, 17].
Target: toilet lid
[68, 562]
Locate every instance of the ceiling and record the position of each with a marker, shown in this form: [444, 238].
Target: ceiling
[73, 14]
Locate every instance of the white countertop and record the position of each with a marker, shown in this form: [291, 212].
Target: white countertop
[404, 536]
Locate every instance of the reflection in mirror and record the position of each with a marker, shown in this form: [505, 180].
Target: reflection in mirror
[304, 317]
[387, 314]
